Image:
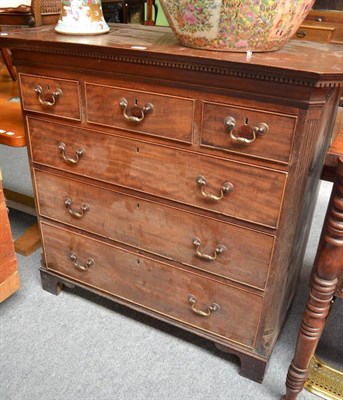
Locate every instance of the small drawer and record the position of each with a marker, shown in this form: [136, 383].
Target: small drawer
[52, 96]
[258, 133]
[231, 188]
[185, 297]
[204, 243]
[319, 32]
[144, 112]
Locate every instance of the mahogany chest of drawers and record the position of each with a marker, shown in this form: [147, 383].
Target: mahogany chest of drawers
[178, 182]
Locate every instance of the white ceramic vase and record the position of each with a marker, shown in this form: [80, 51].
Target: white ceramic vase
[81, 17]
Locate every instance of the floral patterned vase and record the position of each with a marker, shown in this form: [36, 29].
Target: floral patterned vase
[233, 25]
[81, 17]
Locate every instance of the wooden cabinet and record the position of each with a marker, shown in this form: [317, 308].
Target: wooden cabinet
[178, 182]
[324, 23]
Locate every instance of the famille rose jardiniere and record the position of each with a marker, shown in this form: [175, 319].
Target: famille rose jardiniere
[232, 25]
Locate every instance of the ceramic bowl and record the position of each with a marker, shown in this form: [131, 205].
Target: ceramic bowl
[231, 25]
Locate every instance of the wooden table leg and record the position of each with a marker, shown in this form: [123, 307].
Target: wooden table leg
[327, 268]
[6, 57]
[148, 19]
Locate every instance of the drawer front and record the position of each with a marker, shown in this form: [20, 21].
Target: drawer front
[57, 97]
[253, 132]
[225, 249]
[162, 171]
[156, 286]
[144, 112]
[315, 33]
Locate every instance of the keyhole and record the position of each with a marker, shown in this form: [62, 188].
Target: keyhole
[137, 149]
[246, 121]
[138, 206]
[48, 94]
[135, 109]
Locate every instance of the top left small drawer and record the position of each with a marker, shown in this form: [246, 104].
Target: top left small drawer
[58, 97]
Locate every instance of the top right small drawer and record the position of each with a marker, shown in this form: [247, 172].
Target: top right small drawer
[258, 133]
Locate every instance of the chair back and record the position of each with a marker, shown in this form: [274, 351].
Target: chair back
[41, 12]
[46, 12]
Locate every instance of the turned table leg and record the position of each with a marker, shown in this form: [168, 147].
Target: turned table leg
[327, 268]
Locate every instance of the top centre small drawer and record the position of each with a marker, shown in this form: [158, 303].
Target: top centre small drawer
[141, 111]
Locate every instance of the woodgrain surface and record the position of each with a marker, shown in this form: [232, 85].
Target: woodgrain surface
[139, 165]
[293, 57]
[171, 117]
[159, 229]
[66, 105]
[154, 285]
[145, 176]
[275, 144]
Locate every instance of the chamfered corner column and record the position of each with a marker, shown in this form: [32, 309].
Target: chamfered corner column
[327, 268]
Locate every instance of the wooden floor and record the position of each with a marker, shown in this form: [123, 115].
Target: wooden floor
[12, 134]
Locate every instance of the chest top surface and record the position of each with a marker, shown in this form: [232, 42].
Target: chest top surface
[317, 64]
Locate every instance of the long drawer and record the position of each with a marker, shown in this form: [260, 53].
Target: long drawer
[188, 298]
[207, 244]
[231, 188]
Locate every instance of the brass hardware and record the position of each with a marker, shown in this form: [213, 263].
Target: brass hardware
[259, 130]
[229, 123]
[225, 189]
[53, 96]
[76, 214]
[300, 34]
[324, 381]
[142, 111]
[211, 308]
[85, 267]
[79, 153]
[218, 250]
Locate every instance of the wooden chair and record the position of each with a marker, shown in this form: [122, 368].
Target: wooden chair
[40, 12]
[6, 57]
[327, 275]
[151, 5]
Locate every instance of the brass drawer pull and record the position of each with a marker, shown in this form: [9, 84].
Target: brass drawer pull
[301, 34]
[218, 250]
[76, 214]
[213, 307]
[79, 153]
[245, 130]
[53, 96]
[225, 189]
[85, 267]
[131, 115]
